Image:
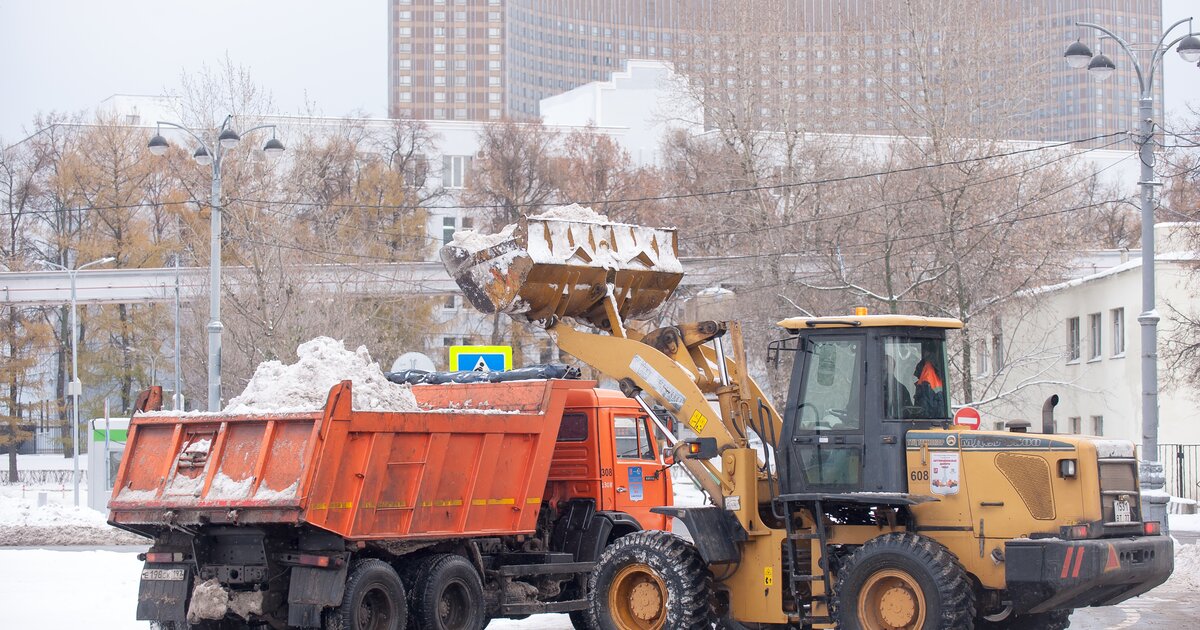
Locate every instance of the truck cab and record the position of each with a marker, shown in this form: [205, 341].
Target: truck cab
[606, 451]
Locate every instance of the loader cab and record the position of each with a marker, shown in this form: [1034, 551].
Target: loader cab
[858, 385]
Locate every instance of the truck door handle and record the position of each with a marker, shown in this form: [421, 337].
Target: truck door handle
[621, 490]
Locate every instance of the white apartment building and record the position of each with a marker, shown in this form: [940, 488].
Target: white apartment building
[1081, 340]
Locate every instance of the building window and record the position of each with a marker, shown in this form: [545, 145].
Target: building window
[494, 33]
[439, 97]
[981, 357]
[1073, 339]
[1098, 425]
[1095, 341]
[494, 81]
[448, 229]
[450, 303]
[1118, 332]
[494, 114]
[403, 31]
[404, 97]
[404, 80]
[1073, 425]
[404, 64]
[439, 81]
[455, 168]
[997, 353]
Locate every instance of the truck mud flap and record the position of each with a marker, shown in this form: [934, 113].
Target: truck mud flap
[1055, 574]
[715, 532]
[311, 590]
[163, 592]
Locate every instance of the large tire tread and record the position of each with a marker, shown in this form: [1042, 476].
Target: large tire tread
[956, 597]
[688, 579]
[341, 618]
[428, 580]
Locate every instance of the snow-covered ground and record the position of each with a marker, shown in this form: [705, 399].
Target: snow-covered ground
[102, 588]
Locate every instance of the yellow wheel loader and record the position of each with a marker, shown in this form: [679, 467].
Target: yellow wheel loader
[865, 507]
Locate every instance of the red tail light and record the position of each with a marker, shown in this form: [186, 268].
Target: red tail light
[163, 556]
[313, 560]
[1075, 532]
[1152, 528]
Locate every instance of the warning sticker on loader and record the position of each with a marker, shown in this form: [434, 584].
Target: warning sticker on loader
[943, 472]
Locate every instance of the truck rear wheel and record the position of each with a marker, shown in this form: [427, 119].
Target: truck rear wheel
[903, 582]
[374, 600]
[448, 594]
[650, 580]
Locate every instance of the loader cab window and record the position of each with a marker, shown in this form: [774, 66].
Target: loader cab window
[632, 438]
[831, 399]
[914, 385]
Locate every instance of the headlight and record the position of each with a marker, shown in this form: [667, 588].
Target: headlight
[1066, 468]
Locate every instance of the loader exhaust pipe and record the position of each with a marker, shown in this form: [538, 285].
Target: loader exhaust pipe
[1048, 414]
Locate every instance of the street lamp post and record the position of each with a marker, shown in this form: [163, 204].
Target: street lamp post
[76, 388]
[227, 139]
[1078, 55]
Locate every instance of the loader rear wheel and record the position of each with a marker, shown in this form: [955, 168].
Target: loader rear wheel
[374, 599]
[448, 595]
[903, 582]
[650, 580]
[1053, 620]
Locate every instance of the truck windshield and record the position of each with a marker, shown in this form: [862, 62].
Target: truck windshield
[914, 382]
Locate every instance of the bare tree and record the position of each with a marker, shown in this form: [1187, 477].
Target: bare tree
[514, 172]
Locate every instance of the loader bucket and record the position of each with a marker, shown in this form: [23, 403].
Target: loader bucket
[546, 268]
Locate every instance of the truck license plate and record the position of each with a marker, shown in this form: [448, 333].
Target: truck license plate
[162, 574]
[1123, 514]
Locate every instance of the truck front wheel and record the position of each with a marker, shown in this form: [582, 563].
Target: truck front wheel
[374, 600]
[448, 594]
[650, 580]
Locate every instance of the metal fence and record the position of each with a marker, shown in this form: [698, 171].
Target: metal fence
[1181, 466]
[45, 477]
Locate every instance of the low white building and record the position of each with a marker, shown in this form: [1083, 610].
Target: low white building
[1081, 340]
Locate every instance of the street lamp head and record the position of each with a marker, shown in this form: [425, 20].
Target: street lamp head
[1101, 67]
[202, 157]
[1078, 55]
[158, 145]
[273, 148]
[1189, 49]
[229, 138]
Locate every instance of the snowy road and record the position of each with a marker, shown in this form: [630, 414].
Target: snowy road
[96, 589]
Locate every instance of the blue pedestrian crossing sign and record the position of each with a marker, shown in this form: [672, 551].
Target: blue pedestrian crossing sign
[480, 358]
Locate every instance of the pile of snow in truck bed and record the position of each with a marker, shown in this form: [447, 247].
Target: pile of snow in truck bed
[304, 385]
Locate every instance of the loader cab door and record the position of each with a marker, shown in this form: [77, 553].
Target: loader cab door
[824, 420]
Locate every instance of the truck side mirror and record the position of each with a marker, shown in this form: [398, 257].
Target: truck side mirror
[667, 456]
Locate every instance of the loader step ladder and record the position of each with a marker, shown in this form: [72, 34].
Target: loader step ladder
[817, 570]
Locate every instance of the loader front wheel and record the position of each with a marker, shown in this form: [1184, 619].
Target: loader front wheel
[650, 580]
[903, 582]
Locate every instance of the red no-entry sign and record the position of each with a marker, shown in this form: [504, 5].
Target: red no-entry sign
[968, 416]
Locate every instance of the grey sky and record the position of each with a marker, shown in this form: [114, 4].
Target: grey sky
[71, 54]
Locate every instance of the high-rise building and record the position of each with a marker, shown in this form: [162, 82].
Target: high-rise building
[848, 59]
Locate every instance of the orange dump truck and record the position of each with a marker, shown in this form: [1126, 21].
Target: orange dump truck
[441, 519]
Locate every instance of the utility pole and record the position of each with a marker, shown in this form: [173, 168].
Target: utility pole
[1100, 66]
[227, 138]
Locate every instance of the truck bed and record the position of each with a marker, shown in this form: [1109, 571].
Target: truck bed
[475, 464]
